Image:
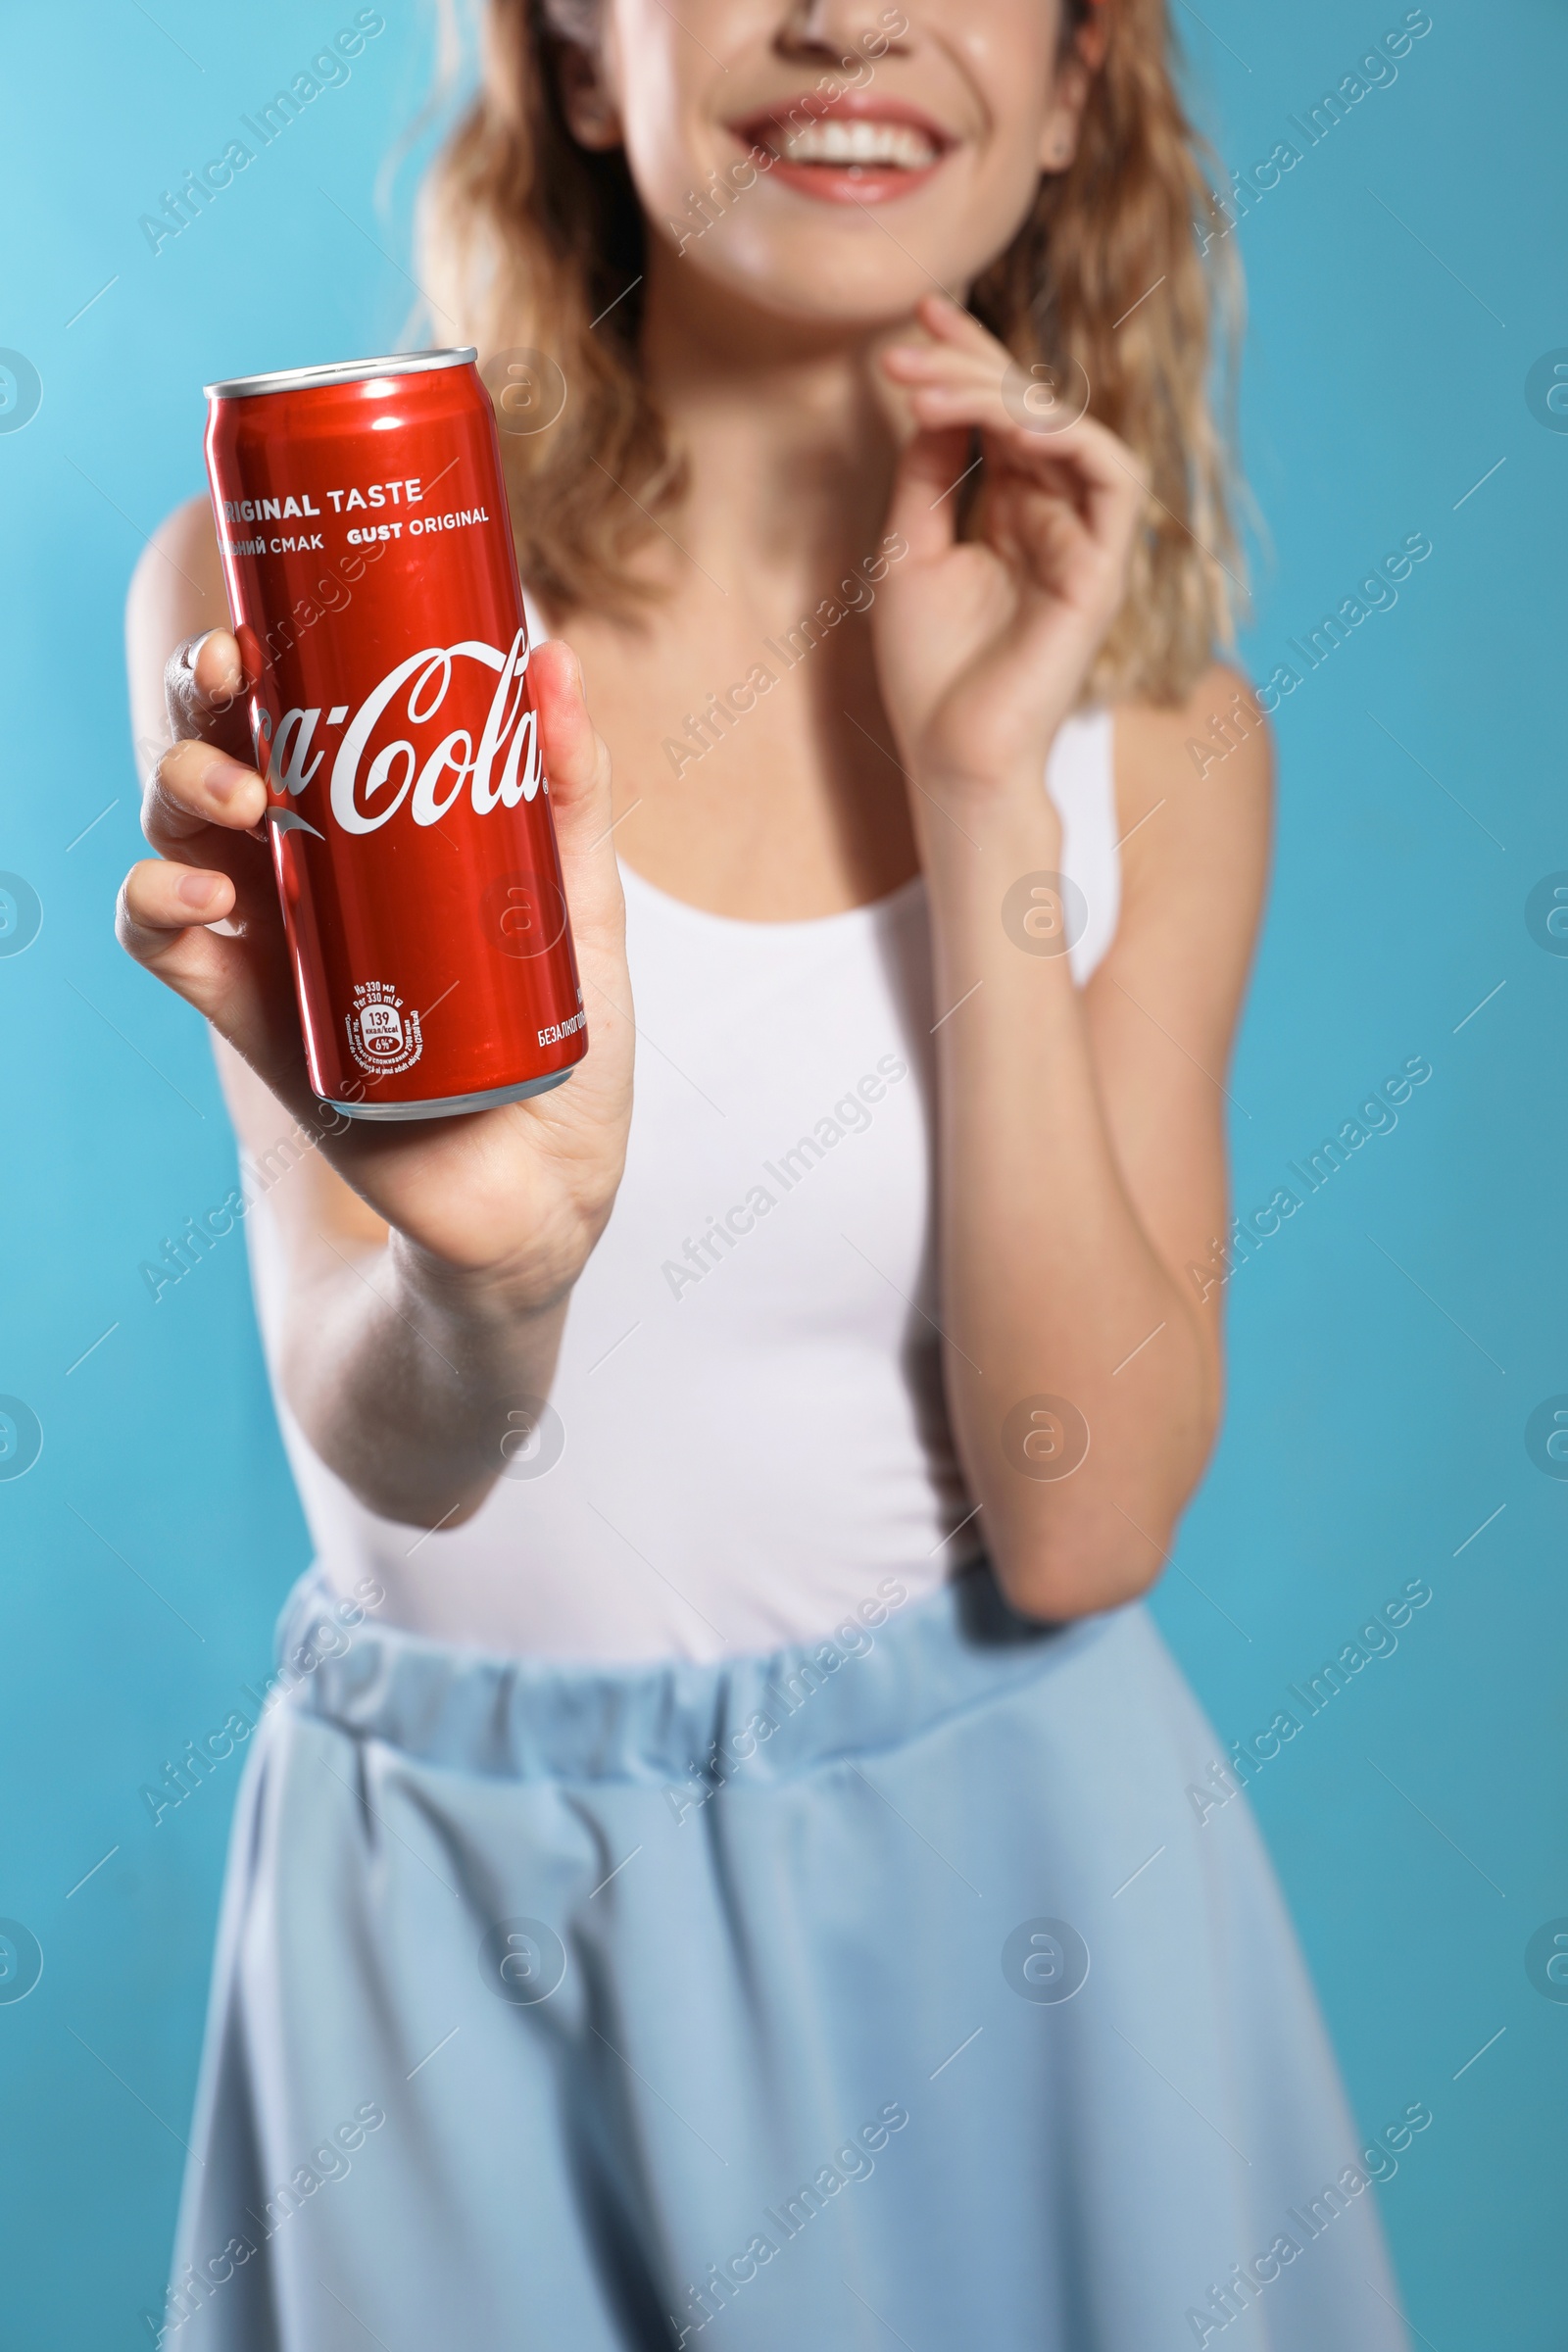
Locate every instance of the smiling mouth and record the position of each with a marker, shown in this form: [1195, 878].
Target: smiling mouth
[833, 149]
[857, 146]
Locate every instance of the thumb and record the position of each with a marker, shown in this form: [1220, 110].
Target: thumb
[576, 766]
[576, 762]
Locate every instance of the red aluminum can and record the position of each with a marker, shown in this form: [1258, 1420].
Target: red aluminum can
[374, 591]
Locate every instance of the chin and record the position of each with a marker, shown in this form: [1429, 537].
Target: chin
[842, 274]
[836, 264]
[833, 297]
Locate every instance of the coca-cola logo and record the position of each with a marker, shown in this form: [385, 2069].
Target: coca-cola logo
[393, 754]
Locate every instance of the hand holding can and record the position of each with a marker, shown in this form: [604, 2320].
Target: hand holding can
[368, 555]
[505, 1203]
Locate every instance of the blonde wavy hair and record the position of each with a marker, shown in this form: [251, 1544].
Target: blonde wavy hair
[529, 241]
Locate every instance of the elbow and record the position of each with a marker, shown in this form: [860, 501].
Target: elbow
[1061, 1573]
[405, 1505]
[1071, 1545]
[391, 1478]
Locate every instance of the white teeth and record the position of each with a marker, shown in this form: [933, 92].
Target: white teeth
[884, 145]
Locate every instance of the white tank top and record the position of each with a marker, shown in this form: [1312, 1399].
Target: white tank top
[747, 1433]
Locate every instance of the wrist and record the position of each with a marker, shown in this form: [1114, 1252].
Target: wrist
[488, 1303]
[990, 784]
[987, 787]
[980, 843]
[990, 757]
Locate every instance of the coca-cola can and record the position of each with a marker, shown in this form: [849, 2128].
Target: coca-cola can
[374, 591]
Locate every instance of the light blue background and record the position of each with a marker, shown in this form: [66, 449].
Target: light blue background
[1377, 1408]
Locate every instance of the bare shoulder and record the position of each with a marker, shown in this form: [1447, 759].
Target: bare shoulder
[1195, 795]
[177, 591]
[181, 571]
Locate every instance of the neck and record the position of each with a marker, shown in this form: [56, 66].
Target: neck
[789, 436]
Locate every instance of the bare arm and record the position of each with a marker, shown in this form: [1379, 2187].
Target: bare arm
[1081, 1135]
[428, 1269]
[1083, 1168]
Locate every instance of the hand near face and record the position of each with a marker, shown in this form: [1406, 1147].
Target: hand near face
[983, 645]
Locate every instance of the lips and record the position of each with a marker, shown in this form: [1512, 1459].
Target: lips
[856, 148]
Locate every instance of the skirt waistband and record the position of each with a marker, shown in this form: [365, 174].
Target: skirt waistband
[771, 1717]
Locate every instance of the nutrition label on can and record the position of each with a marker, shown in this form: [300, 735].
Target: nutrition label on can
[384, 1037]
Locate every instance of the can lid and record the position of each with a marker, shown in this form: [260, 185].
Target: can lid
[340, 372]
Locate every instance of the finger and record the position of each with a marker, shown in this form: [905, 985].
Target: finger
[964, 397]
[965, 357]
[205, 689]
[928, 490]
[948, 385]
[195, 785]
[160, 921]
[984, 365]
[951, 324]
[579, 766]
[943, 330]
[202, 809]
[942, 359]
[159, 902]
[1083, 463]
[241, 986]
[917, 366]
[575, 759]
[945, 345]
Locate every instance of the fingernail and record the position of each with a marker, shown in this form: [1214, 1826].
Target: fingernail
[222, 778]
[196, 890]
[198, 644]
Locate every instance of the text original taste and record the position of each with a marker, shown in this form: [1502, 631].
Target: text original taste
[407, 491]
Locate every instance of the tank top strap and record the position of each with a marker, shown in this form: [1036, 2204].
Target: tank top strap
[1081, 779]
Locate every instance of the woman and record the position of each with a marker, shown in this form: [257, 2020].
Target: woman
[733, 1853]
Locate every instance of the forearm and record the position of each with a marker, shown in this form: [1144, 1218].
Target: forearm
[417, 1386]
[1051, 1286]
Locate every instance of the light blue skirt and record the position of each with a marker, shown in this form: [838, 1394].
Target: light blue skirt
[888, 1991]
